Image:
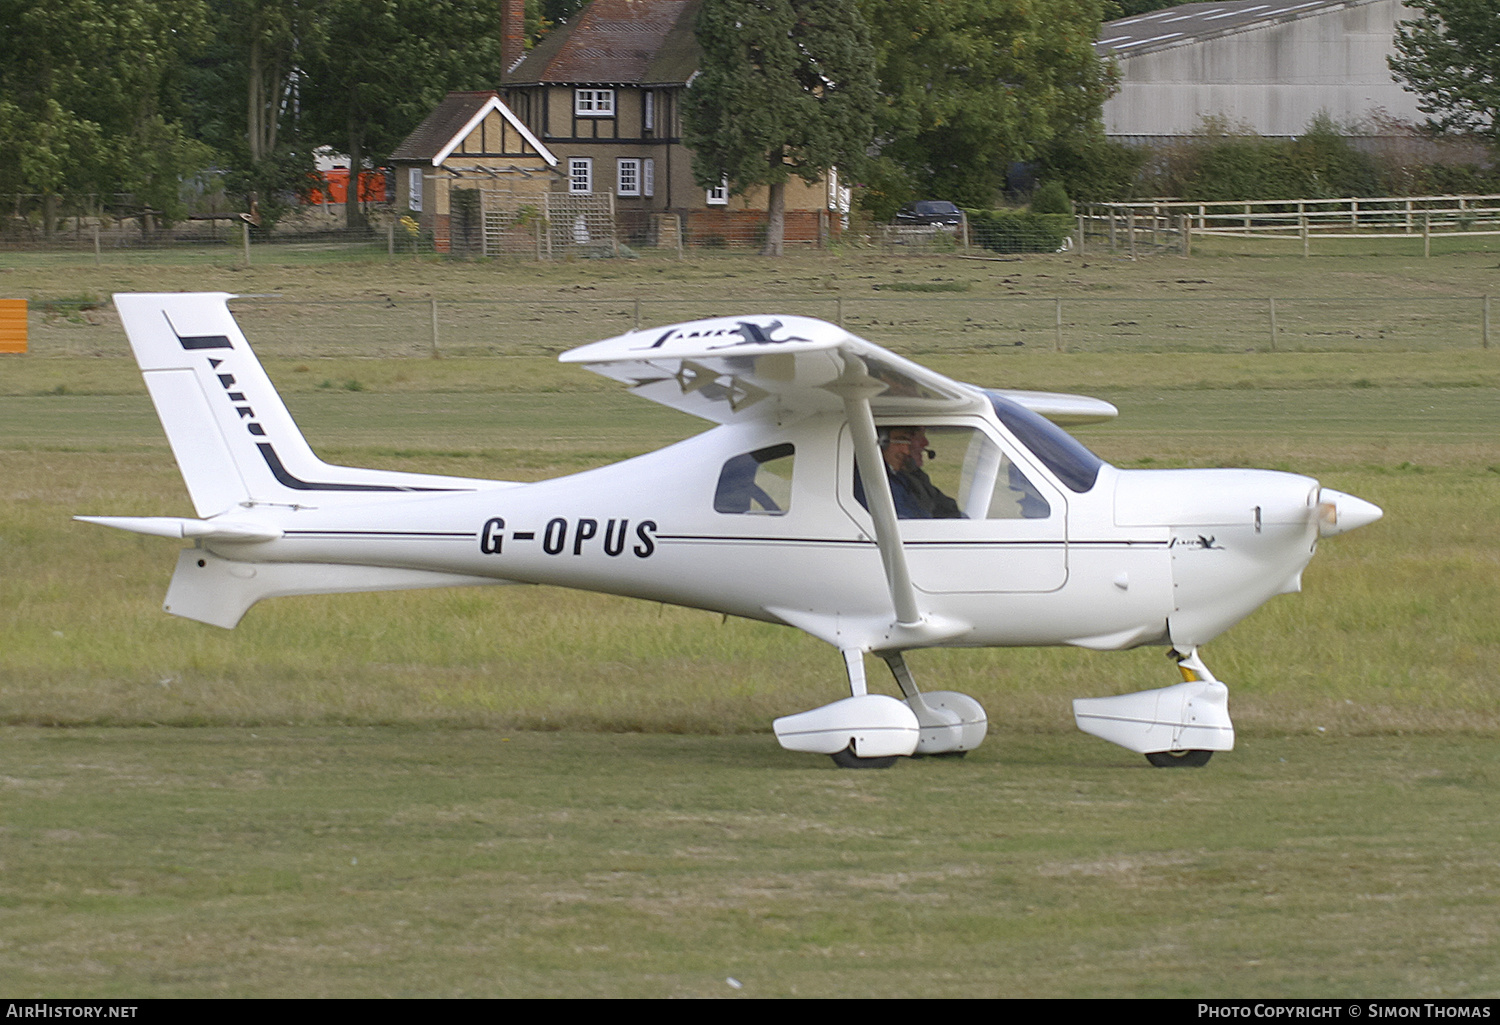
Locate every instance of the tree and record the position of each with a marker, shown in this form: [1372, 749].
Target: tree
[88, 99]
[786, 89]
[244, 96]
[973, 86]
[382, 65]
[1450, 57]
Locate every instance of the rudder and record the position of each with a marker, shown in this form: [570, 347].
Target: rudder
[232, 436]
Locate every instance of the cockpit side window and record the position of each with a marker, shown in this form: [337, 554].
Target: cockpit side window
[953, 472]
[757, 483]
[1062, 453]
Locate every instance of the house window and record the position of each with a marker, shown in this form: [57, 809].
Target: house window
[718, 196]
[594, 102]
[648, 177]
[648, 112]
[580, 174]
[628, 176]
[414, 189]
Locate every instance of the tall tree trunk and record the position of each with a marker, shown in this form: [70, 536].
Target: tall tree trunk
[275, 85]
[353, 216]
[255, 92]
[775, 221]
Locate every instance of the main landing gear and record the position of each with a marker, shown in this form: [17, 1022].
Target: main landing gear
[870, 731]
[1174, 727]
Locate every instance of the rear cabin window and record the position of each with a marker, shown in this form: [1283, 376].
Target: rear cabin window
[757, 483]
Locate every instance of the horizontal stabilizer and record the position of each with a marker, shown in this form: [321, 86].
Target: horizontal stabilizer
[177, 527]
[220, 591]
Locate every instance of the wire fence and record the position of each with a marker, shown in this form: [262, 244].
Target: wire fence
[563, 226]
[915, 324]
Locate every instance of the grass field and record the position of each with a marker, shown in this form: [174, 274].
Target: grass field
[419, 862]
[523, 791]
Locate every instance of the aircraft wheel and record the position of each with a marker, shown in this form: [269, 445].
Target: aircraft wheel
[847, 759]
[1179, 759]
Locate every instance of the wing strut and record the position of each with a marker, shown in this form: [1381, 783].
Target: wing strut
[855, 386]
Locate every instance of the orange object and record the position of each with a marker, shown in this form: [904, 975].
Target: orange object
[371, 187]
[12, 325]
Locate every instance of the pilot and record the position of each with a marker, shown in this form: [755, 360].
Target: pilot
[904, 450]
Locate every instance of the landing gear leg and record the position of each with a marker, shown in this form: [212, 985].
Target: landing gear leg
[1193, 671]
[953, 724]
[849, 757]
[863, 731]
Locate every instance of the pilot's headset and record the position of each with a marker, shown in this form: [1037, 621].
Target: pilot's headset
[883, 438]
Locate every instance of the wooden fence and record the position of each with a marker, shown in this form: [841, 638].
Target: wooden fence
[1174, 224]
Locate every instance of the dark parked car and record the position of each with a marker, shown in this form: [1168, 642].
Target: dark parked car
[930, 211]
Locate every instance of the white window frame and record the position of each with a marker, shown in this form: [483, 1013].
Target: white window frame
[718, 196]
[414, 189]
[580, 172]
[628, 176]
[594, 102]
[648, 177]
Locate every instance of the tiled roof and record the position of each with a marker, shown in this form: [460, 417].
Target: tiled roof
[456, 116]
[437, 129]
[1188, 23]
[617, 42]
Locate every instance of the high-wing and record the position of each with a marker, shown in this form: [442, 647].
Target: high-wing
[736, 369]
[733, 369]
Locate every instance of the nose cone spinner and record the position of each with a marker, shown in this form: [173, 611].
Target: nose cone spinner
[1338, 512]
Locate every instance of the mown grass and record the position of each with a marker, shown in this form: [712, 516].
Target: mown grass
[416, 862]
[527, 791]
[1211, 303]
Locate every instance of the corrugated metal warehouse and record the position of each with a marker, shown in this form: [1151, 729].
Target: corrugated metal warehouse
[1271, 66]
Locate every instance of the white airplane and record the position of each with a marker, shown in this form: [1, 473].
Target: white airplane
[816, 503]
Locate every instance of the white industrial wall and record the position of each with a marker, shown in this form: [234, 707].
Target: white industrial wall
[1275, 77]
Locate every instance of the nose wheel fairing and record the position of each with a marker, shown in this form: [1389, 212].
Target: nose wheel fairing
[1192, 716]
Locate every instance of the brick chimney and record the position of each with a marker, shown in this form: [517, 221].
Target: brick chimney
[512, 33]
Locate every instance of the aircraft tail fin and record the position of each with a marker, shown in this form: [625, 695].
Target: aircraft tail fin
[233, 438]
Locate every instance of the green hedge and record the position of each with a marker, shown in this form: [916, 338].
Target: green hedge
[1016, 231]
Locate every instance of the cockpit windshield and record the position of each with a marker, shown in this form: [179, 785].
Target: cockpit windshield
[1062, 453]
